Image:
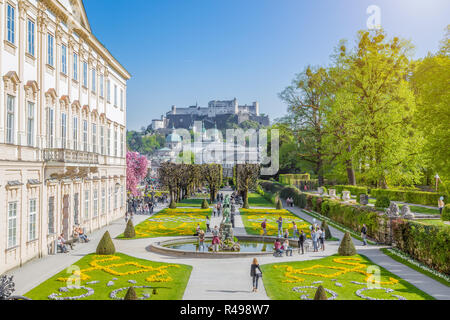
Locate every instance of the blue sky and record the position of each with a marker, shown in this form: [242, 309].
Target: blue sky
[180, 52]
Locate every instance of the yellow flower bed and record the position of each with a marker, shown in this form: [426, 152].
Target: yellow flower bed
[253, 218]
[291, 273]
[173, 222]
[96, 264]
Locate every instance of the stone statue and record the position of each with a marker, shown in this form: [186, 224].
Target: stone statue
[346, 195]
[406, 213]
[333, 193]
[393, 211]
[364, 199]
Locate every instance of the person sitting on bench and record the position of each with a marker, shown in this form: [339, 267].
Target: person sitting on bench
[287, 248]
[62, 244]
[82, 235]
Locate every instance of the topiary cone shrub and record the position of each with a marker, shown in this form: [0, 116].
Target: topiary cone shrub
[129, 230]
[320, 294]
[131, 294]
[328, 235]
[279, 205]
[173, 205]
[205, 204]
[106, 245]
[446, 213]
[347, 248]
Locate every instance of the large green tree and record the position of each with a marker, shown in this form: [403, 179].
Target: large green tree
[431, 81]
[246, 178]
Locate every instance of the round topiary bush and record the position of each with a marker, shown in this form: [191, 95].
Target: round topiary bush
[279, 205]
[446, 213]
[131, 294]
[205, 204]
[129, 230]
[320, 294]
[383, 202]
[328, 235]
[106, 245]
[347, 247]
[173, 205]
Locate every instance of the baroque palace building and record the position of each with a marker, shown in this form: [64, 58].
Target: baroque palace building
[62, 128]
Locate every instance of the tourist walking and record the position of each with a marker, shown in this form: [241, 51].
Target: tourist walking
[364, 235]
[295, 230]
[214, 210]
[216, 240]
[264, 227]
[207, 224]
[441, 205]
[301, 241]
[314, 240]
[280, 227]
[322, 239]
[255, 273]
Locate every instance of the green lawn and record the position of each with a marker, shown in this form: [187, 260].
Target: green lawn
[422, 210]
[165, 281]
[172, 223]
[256, 200]
[252, 219]
[284, 281]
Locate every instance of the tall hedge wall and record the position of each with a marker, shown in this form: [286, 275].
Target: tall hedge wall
[428, 244]
[288, 178]
[416, 197]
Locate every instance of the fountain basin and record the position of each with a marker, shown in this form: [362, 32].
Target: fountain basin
[251, 246]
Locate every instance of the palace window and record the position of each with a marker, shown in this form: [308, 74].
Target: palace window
[32, 235]
[108, 151]
[94, 138]
[30, 125]
[115, 95]
[12, 224]
[85, 74]
[51, 215]
[103, 200]
[75, 133]
[85, 135]
[121, 99]
[108, 90]
[102, 140]
[101, 86]
[30, 47]
[95, 214]
[50, 50]
[115, 143]
[63, 130]
[50, 127]
[86, 204]
[64, 59]
[122, 151]
[75, 67]
[116, 195]
[94, 89]
[10, 119]
[11, 12]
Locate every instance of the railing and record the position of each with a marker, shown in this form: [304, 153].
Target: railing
[70, 156]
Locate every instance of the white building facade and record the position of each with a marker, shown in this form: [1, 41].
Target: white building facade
[62, 128]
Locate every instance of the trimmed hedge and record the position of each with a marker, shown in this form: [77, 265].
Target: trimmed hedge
[383, 202]
[446, 213]
[288, 178]
[415, 197]
[428, 244]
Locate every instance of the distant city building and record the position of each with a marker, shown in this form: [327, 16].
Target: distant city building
[218, 113]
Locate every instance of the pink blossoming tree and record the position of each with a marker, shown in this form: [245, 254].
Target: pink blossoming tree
[136, 171]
